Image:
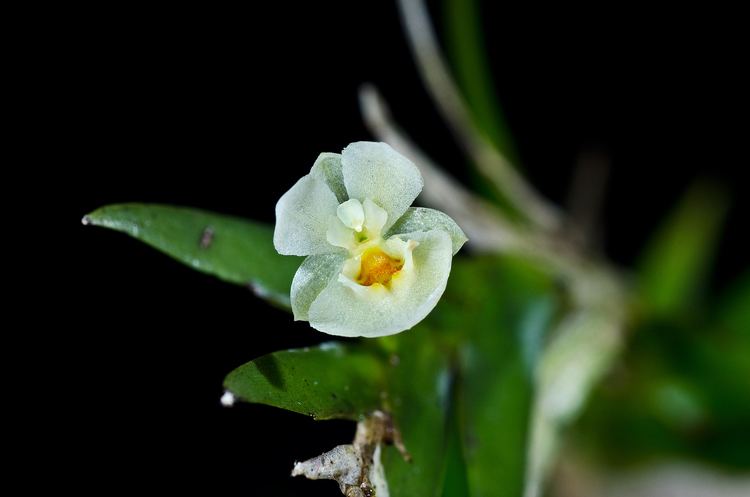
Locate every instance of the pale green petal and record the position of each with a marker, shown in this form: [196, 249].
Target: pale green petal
[376, 171]
[303, 216]
[375, 217]
[364, 292]
[422, 219]
[340, 236]
[351, 268]
[339, 310]
[311, 278]
[327, 168]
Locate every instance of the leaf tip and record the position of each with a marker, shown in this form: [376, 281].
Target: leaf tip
[86, 220]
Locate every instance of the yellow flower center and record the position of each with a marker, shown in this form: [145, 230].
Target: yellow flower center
[378, 267]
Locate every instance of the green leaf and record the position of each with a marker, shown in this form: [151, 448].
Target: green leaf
[676, 261]
[734, 308]
[325, 382]
[507, 309]
[580, 350]
[233, 249]
[455, 483]
[419, 379]
[684, 394]
[466, 48]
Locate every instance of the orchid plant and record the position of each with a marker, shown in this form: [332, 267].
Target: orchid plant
[470, 371]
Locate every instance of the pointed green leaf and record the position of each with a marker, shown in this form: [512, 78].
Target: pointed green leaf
[232, 249]
[675, 263]
[325, 382]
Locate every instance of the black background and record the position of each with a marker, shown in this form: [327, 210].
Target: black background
[225, 109]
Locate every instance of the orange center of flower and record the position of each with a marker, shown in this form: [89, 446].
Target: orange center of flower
[378, 267]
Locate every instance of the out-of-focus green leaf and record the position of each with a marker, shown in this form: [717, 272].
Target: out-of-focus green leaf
[232, 249]
[579, 353]
[682, 391]
[455, 483]
[466, 48]
[675, 263]
[734, 308]
[329, 381]
[419, 381]
[506, 309]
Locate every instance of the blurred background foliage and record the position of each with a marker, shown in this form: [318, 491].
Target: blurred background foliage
[681, 389]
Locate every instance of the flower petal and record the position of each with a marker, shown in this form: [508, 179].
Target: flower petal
[311, 278]
[376, 171]
[422, 219]
[375, 217]
[303, 215]
[327, 168]
[340, 236]
[339, 310]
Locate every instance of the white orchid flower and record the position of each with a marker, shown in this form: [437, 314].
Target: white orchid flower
[375, 265]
